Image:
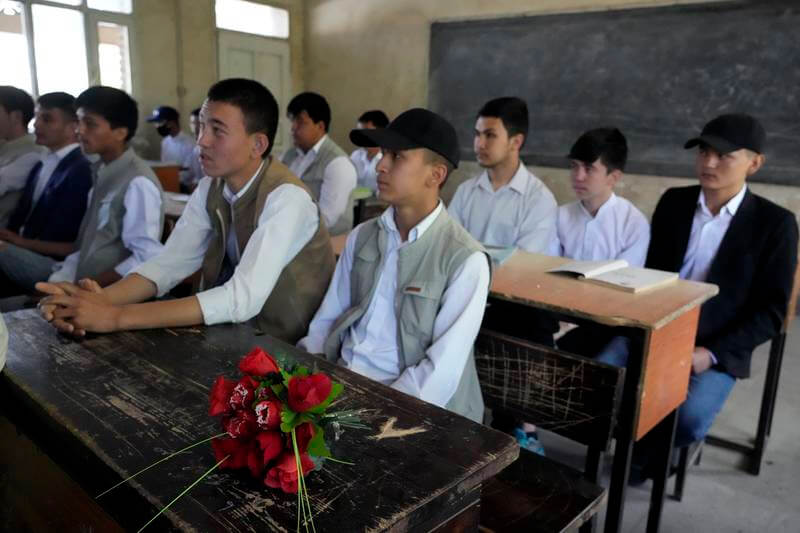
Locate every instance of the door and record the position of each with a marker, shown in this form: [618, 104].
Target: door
[262, 59]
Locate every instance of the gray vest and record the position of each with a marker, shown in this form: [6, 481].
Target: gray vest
[312, 177]
[100, 235]
[9, 152]
[424, 269]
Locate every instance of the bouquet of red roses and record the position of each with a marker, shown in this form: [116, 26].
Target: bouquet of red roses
[274, 421]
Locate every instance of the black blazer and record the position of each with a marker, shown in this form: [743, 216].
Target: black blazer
[754, 269]
[58, 213]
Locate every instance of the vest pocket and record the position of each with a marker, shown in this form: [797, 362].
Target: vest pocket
[420, 303]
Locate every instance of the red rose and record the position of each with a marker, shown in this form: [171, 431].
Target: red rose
[284, 474]
[242, 425]
[236, 450]
[303, 433]
[219, 399]
[255, 460]
[268, 414]
[271, 444]
[243, 393]
[307, 392]
[258, 363]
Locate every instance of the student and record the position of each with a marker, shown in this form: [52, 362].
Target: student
[721, 233]
[175, 144]
[18, 151]
[366, 159]
[192, 171]
[408, 294]
[45, 223]
[251, 227]
[600, 225]
[3, 342]
[320, 163]
[125, 212]
[505, 205]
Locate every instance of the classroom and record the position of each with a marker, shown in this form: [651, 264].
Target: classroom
[399, 265]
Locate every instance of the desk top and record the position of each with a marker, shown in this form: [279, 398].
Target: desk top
[524, 279]
[116, 403]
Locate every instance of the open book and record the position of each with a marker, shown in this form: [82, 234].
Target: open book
[618, 274]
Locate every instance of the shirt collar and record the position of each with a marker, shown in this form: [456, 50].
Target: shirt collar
[417, 231]
[61, 153]
[516, 184]
[229, 195]
[606, 207]
[314, 148]
[731, 206]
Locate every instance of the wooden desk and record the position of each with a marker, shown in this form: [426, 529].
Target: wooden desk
[661, 323]
[169, 176]
[107, 406]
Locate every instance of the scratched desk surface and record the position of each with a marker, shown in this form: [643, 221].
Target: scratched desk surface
[110, 405]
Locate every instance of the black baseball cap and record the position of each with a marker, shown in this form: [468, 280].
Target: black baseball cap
[728, 133]
[163, 113]
[415, 128]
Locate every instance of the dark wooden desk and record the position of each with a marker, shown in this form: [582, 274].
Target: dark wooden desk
[107, 406]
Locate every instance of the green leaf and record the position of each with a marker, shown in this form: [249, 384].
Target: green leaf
[316, 445]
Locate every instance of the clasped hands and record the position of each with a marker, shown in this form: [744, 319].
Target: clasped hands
[75, 309]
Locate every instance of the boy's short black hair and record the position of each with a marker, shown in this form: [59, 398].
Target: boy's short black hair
[377, 117]
[607, 144]
[64, 102]
[312, 103]
[195, 112]
[114, 105]
[512, 111]
[259, 107]
[14, 99]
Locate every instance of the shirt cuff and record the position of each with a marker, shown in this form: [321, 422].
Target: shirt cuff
[214, 305]
[125, 267]
[153, 273]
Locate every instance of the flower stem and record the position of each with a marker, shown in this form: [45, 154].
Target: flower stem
[340, 461]
[145, 469]
[187, 489]
[302, 491]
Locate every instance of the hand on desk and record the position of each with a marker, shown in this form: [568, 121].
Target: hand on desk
[701, 360]
[74, 309]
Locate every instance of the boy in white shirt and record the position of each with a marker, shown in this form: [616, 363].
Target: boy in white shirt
[408, 294]
[366, 159]
[600, 225]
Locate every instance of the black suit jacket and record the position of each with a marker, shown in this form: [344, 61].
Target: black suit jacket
[754, 269]
[58, 213]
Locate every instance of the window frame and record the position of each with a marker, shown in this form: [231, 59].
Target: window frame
[90, 19]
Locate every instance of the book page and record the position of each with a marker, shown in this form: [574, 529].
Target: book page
[634, 279]
[590, 269]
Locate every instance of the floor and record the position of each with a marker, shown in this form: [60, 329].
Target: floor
[719, 496]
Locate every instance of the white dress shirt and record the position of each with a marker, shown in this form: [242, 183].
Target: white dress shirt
[14, 171]
[338, 181]
[366, 168]
[706, 236]
[287, 223]
[370, 345]
[49, 164]
[617, 231]
[176, 149]
[192, 169]
[141, 230]
[521, 213]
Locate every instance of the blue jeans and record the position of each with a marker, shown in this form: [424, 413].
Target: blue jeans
[25, 268]
[707, 394]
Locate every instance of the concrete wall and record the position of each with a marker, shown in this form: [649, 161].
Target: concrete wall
[374, 54]
[175, 57]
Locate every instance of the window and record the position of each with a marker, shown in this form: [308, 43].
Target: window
[65, 45]
[251, 17]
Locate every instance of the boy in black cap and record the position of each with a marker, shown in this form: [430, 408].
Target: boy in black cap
[721, 233]
[176, 146]
[408, 293]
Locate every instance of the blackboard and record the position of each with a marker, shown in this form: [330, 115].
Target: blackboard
[658, 74]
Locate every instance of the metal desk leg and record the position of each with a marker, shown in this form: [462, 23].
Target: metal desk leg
[625, 433]
[665, 432]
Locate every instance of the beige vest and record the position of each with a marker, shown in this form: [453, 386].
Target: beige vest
[424, 268]
[312, 176]
[302, 283]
